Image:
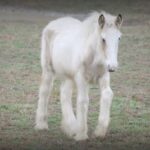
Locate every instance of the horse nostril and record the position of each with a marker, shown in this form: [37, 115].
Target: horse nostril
[111, 70]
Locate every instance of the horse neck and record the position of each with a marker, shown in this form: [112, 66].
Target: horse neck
[94, 51]
[92, 34]
[90, 24]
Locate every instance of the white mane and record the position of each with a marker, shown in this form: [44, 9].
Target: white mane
[91, 22]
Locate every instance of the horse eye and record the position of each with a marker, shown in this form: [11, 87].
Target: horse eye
[119, 38]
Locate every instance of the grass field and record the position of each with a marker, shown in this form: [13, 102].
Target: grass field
[20, 73]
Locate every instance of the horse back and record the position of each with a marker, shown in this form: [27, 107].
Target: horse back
[64, 24]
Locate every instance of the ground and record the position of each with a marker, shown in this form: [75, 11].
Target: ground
[20, 32]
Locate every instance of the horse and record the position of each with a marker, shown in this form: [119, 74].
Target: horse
[79, 53]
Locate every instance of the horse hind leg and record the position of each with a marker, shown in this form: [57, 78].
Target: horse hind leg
[42, 110]
[46, 84]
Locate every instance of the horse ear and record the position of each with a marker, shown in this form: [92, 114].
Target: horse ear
[101, 20]
[119, 20]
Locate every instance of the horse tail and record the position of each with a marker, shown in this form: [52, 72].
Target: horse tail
[46, 49]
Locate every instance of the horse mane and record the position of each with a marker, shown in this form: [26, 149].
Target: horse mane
[91, 22]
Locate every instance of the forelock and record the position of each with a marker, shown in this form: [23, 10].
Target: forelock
[109, 19]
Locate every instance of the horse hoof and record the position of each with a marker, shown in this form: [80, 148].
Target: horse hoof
[69, 129]
[81, 137]
[41, 126]
[100, 132]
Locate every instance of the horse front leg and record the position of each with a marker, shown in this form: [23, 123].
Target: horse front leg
[105, 106]
[69, 122]
[82, 107]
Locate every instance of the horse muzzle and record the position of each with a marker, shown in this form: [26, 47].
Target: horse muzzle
[112, 68]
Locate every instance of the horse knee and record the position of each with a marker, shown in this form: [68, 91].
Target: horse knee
[83, 101]
[66, 91]
[107, 93]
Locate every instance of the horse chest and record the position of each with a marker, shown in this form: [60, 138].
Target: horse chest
[92, 73]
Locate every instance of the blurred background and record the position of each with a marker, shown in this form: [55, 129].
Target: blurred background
[80, 5]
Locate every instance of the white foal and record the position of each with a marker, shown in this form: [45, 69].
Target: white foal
[79, 53]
